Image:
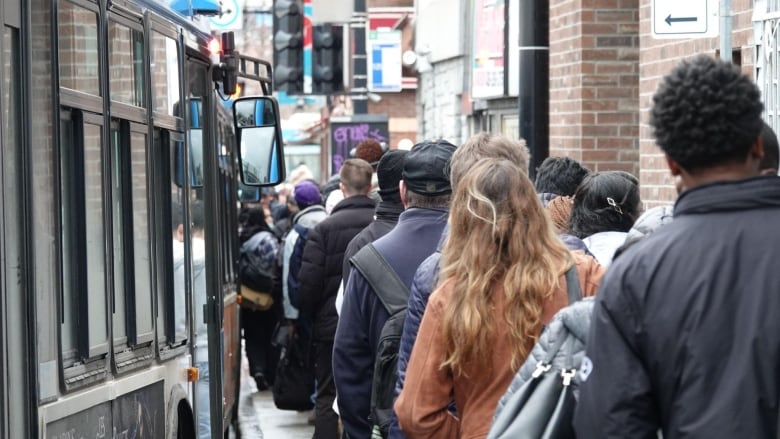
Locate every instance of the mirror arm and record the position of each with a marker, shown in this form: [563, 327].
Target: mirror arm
[234, 65]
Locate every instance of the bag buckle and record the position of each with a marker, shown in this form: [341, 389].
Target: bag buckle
[568, 375]
[541, 367]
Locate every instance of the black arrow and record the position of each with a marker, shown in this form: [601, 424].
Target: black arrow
[669, 20]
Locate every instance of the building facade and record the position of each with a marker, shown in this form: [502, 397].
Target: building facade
[605, 64]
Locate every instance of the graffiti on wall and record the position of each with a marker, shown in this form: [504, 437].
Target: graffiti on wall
[345, 135]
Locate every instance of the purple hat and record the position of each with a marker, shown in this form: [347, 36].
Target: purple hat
[306, 193]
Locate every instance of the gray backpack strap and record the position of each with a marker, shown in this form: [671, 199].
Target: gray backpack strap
[573, 284]
[390, 289]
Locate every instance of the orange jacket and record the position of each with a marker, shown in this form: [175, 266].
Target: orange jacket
[422, 406]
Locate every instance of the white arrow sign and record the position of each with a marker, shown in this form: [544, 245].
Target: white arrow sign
[685, 18]
[232, 17]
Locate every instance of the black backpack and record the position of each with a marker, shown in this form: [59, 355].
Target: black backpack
[394, 295]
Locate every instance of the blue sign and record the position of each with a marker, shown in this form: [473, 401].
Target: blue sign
[384, 59]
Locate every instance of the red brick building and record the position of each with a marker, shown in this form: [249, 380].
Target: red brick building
[605, 65]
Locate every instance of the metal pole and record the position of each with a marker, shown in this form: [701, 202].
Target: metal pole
[725, 30]
[533, 99]
[359, 68]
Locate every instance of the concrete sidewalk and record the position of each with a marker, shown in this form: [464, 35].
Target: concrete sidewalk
[260, 419]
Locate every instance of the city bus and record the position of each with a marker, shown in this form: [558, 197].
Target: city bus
[120, 171]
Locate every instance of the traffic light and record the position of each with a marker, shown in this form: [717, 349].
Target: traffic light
[327, 60]
[288, 46]
[230, 62]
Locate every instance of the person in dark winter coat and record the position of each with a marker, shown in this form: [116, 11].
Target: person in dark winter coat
[425, 191]
[684, 337]
[320, 276]
[388, 171]
[258, 325]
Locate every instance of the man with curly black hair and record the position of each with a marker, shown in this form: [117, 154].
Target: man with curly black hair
[685, 337]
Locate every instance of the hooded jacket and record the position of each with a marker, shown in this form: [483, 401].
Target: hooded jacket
[684, 336]
[308, 218]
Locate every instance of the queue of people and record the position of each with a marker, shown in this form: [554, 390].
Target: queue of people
[425, 289]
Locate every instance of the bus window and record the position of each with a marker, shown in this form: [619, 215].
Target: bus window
[126, 60]
[173, 324]
[84, 324]
[77, 38]
[132, 265]
[165, 73]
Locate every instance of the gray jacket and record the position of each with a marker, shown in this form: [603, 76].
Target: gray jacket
[572, 320]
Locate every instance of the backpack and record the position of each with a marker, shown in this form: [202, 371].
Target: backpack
[394, 295]
[256, 260]
[540, 401]
[296, 259]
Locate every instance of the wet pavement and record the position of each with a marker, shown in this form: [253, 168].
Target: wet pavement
[260, 419]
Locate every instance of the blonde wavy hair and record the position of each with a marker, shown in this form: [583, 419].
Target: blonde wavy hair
[499, 236]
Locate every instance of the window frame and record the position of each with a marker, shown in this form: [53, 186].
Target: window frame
[124, 110]
[89, 364]
[75, 98]
[155, 24]
[133, 349]
[171, 129]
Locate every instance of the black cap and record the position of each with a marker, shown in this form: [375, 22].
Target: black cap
[427, 167]
[388, 173]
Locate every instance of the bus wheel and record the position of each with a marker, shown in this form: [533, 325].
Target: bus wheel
[185, 428]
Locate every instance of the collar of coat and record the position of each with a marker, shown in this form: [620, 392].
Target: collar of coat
[751, 193]
[354, 202]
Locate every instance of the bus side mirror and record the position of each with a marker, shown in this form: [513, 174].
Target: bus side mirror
[260, 145]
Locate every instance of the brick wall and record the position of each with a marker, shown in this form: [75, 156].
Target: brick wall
[656, 59]
[401, 111]
[594, 82]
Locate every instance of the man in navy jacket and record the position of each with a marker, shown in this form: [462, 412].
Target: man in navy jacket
[425, 190]
[685, 337]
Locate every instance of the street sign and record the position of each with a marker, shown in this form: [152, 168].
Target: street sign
[231, 19]
[384, 60]
[685, 18]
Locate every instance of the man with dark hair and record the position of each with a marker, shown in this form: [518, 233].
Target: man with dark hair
[320, 276]
[425, 191]
[389, 170]
[685, 331]
[770, 162]
[558, 176]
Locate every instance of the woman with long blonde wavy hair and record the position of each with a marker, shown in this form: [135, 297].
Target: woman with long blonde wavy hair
[502, 279]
